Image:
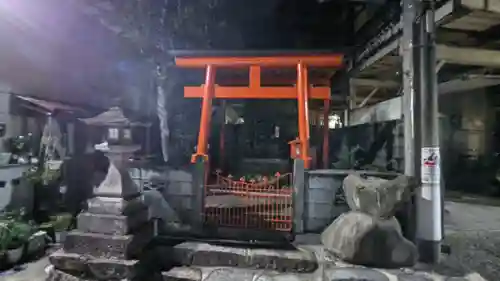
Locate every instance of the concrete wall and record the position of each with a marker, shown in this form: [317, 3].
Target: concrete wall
[467, 122]
[175, 185]
[466, 126]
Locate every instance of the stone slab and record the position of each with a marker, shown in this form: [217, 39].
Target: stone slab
[202, 254]
[111, 224]
[68, 261]
[115, 206]
[182, 274]
[112, 269]
[355, 274]
[59, 275]
[100, 245]
[300, 260]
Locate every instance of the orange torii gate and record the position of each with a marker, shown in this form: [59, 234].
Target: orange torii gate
[302, 88]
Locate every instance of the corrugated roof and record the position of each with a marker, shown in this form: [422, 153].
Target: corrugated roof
[51, 106]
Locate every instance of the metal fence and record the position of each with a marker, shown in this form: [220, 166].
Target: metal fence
[250, 204]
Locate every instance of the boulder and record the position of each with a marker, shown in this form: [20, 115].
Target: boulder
[361, 239]
[375, 196]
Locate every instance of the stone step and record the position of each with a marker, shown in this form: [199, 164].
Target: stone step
[115, 206]
[101, 269]
[68, 261]
[111, 224]
[182, 274]
[100, 245]
[202, 254]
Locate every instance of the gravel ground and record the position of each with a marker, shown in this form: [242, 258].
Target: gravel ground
[473, 233]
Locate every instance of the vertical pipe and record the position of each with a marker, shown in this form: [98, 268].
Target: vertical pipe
[206, 113]
[409, 15]
[326, 133]
[429, 216]
[408, 101]
[302, 110]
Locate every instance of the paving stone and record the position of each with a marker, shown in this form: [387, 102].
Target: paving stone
[201, 254]
[417, 276]
[182, 274]
[109, 246]
[238, 274]
[115, 206]
[301, 260]
[111, 224]
[59, 275]
[68, 261]
[355, 274]
[111, 269]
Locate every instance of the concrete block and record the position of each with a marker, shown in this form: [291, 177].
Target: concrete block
[179, 188]
[112, 224]
[182, 274]
[115, 206]
[179, 175]
[181, 202]
[68, 261]
[100, 245]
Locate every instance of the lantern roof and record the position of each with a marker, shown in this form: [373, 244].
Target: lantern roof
[112, 117]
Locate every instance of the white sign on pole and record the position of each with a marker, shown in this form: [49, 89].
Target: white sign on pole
[431, 168]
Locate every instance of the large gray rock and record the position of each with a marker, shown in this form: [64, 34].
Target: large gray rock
[361, 239]
[375, 196]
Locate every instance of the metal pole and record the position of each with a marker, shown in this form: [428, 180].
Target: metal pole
[429, 217]
[409, 103]
[407, 50]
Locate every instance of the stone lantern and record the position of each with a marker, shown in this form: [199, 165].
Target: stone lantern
[112, 233]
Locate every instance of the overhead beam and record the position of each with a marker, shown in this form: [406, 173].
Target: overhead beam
[374, 83]
[391, 109]
[332, 60]
[223, 92]
[468, 56]
[387, 41]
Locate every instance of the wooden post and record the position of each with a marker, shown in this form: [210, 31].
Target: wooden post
[222, 137]
[206, 114]
[302, 89]
[326, 133]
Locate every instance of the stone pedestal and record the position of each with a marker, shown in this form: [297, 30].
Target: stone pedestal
[112, 233]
